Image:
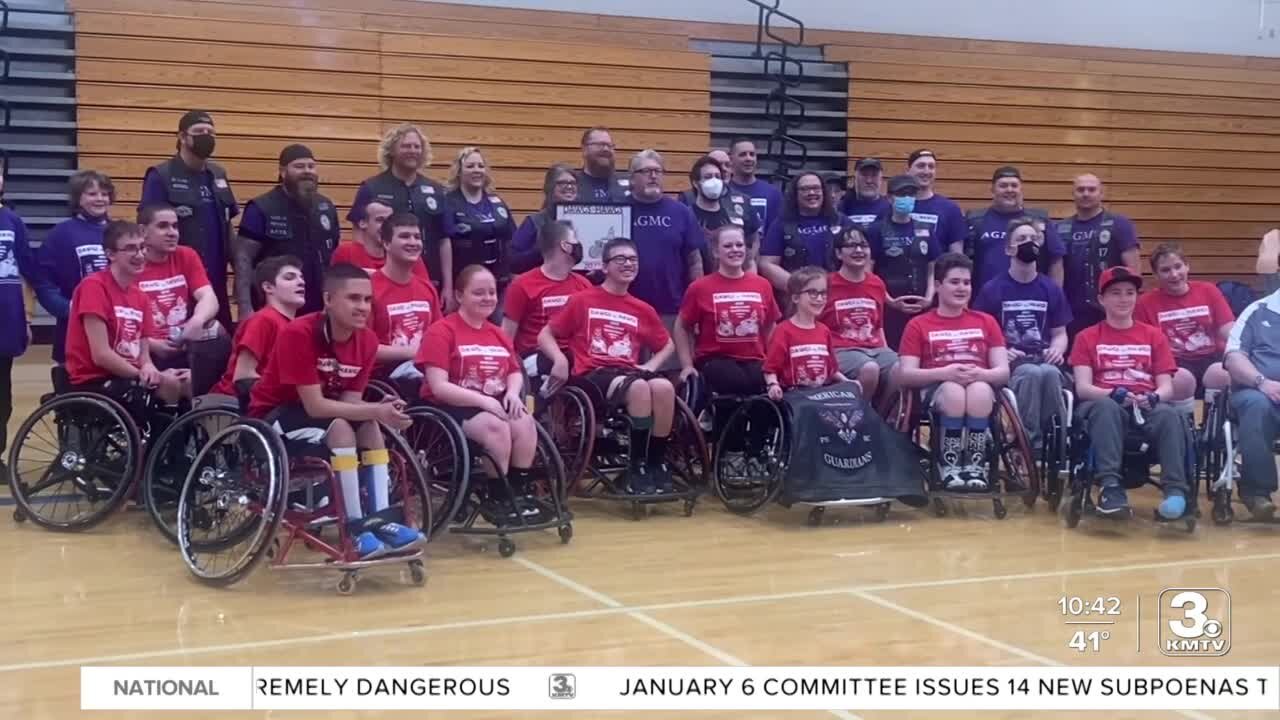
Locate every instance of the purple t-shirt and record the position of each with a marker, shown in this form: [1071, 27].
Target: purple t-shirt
[1025, 311]
[765, 198]
[947, 218]
[665, 232]
[1076, 271]
[863, 212]
[993, 260]
[813, 232]
[154, 191]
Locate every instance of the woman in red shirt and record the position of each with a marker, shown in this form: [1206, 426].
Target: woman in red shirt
[1194, 317]
[471, 373]
[956, 357]
[725, 319]
[800, 351]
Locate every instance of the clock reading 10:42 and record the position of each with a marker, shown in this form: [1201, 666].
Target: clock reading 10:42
[1085, 607]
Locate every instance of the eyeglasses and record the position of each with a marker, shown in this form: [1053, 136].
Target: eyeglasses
[854, 245]
[131, 249]
[566, 183]
[651, 172]
[815, 294]
[624, 260]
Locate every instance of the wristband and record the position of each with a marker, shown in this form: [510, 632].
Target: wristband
[1154, 399]
[1119, 394]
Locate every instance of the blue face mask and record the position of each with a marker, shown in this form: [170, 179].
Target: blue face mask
[904, 205]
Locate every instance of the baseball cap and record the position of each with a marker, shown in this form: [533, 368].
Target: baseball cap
[922, 152]
[1111, 276]
[1007, 171]
[868, 162]
[193, 117]
[898, 183]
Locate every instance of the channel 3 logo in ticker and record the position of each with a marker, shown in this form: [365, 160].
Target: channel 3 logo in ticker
[1195, 622]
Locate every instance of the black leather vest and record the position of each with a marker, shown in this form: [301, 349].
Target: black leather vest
[905, 267]
[619, 189]
[182, 190]
[311, 234]
[423, 198]
[795, 254]
[480, 240]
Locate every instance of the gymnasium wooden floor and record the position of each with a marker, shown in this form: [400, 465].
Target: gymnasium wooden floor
[714, 589]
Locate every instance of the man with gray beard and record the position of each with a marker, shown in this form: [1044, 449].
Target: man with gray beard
[292, 219]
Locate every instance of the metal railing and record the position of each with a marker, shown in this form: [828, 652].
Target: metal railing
[787, 72]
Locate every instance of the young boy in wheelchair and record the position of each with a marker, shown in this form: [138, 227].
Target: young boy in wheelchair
[956, 358]
[405, 304]
[855, 314]
[312, 390]
[280, 281]
[1034, 313]
[1122, 366]
[534, 297]
[109, 323]
[605, 327]
[1196, 320]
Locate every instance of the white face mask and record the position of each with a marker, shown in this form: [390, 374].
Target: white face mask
[712, 187]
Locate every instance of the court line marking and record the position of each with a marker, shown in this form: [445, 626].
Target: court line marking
[984, 639]
[662, 627]
[597, 612]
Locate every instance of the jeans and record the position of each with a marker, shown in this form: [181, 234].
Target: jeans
[1108, 423]
[1038, 387]
[1256, 430]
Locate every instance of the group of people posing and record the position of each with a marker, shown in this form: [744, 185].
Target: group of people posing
[441, 294]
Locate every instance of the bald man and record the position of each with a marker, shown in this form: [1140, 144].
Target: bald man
[1095, 239]
[721, 157]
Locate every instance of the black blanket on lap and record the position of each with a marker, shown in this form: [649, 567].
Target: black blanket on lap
[843, 450]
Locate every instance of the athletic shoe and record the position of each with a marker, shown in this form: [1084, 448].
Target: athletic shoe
[399, 537]
[1173, 506]
[661, 474]
[368, 546]
[498, 512]
[4, 473]
[975, 478]
[639, 481]
[1114, 500]
[1260, 507]
[953, 480]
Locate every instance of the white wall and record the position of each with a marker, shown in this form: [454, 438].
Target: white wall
[1219, 26]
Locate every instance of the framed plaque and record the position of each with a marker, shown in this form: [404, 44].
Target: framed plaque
[595, 224]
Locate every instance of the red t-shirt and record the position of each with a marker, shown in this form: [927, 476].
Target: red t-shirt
[477, 359]
[855, 311]
[257, 335]
[607, 330]
[402, 313]
[941, 341]
[1190, 322]
[801, 357]
[533, 298]
[1129, 358]
[124, 310]
[728, 315]
[170, 287]
[303, 357]
[354, 253]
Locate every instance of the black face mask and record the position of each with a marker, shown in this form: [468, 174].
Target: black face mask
[576, 252]
[202, 146]
[1028, 252]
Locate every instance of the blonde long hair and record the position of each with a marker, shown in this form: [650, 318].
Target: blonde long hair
[392, 138]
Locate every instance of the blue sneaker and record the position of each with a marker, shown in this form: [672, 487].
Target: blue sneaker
[368, 546]
[1114, 500]
[399, 537]
[1174, 505]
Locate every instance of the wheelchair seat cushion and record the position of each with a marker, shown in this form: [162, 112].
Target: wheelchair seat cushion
[842, 450]
[215, 400]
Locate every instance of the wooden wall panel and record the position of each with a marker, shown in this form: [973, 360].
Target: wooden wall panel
[336, 79]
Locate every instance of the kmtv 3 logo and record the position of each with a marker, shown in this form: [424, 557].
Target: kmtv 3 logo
[562, 686]
[1195, 622]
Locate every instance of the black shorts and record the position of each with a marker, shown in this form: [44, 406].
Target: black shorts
[297, 427]
[459, 414]
[114, 388]
[602, 378]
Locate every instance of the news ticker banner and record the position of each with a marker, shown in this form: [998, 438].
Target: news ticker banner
[680, 688]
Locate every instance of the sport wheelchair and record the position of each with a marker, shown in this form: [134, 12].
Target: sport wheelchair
[594, 444]
[1012, 469]
[1219, 458]
[246, 499]
[1139, 456]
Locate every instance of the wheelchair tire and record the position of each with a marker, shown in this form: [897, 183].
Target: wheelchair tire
[1015, 453]
[166, 467]
[242, 467]
[687, 452]
[442, 455]
[408, 488]
[570, 418]
[110, 478]
[751, 493]
[549, 472]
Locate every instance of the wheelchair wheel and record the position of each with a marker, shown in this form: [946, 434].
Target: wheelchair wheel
[1051, 464]
[170, 457]
[687, 452]
[551, 482]
[232, 502]
[747, 478]
[378, 390]
[444, 459]
[74, 461]
[570, 417]
[1016, 461]
[408, 489]
[898, 410]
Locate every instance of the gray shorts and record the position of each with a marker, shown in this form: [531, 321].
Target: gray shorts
[852, 359]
